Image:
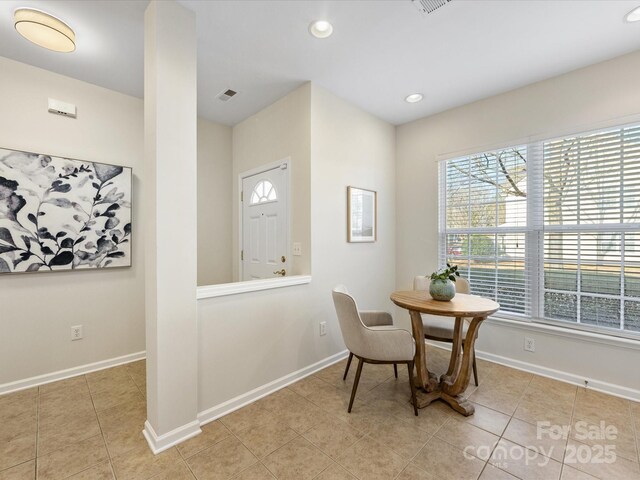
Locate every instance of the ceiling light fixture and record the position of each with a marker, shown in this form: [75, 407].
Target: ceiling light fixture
[44, 30]
[633, 15]
[320, 29]
[413, 98]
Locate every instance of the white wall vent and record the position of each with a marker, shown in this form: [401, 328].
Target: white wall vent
[429, 6]
[227, 95]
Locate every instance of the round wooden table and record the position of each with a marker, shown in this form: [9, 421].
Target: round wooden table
[452, 384]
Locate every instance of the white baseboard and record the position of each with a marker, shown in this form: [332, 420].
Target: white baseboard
[240, 401]
[600, 386]
[159, 444]
[70, 372]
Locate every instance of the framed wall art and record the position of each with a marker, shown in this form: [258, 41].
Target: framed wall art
[62, 214]
[362, 206]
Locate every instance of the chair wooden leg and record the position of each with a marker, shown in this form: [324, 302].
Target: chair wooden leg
[395, 369]
[355, 384]
[475, 369]
[413, 388]
[346, 370]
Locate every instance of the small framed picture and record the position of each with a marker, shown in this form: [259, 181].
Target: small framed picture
[362, 206]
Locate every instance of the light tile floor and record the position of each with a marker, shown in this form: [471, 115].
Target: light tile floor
[89, 427]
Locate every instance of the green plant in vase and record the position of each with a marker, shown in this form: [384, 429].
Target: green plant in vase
[442, 285]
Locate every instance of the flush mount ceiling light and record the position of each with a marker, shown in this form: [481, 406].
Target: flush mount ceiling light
[413, 98]
[44, 30]
[320, 29]
[633, 15]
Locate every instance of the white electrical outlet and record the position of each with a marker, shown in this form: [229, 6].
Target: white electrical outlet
[529, 344]
[297, 249]
[76, 332]
[323, 328]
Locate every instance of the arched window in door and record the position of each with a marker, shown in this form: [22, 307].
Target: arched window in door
[263, 192]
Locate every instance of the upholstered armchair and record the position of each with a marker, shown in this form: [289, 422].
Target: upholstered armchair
[373, 343]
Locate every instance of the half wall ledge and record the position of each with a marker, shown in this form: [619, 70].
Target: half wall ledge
[224, 289]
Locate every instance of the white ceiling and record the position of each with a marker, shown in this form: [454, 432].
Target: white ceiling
[109, 38]
[380, 51]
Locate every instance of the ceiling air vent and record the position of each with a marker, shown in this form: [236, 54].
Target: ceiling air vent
[429, 6]
[227, 95]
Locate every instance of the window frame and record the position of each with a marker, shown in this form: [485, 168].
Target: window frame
[496, 230]
[535, 230]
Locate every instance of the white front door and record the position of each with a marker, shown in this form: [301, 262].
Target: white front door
[265, 224]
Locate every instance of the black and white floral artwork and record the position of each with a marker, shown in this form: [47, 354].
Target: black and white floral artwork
[62, 214]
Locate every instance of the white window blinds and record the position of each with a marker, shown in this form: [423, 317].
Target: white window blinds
[591, 222]
[550, 230]
[486, 224]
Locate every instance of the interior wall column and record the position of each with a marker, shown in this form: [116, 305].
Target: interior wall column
[170, 207]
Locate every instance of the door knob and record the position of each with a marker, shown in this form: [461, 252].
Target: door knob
[282, 272]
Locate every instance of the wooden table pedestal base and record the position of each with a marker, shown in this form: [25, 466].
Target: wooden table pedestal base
[459, 403]
[452, 385]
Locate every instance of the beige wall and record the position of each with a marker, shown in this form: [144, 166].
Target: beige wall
[578, 100]
[279, 131]
[215, 181]
[37, 310]
[351, 147]
[279, 329]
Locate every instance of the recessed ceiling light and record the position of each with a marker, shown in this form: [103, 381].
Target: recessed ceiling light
[413, 98]
[633, 15]
[44, 30]
[320, 29]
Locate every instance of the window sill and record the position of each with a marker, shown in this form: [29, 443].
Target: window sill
[225, 289]
[573, 333]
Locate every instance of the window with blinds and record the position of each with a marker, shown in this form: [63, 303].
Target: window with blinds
[550, 230]
[486, 224]
[591, 224]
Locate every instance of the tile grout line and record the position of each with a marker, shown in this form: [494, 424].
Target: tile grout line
[405, 467]
[113, 472]
[635, 432]
[185, 459]
[501, 436]
[35, 472]
[258, 458]
[4, 469]
[365, 434]
[193, 474]
[298, 435]
[267, 468]
[418, 453]
[566, 444]
[104, 440]
[458, 448]
[333, 462]
[144, 394]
